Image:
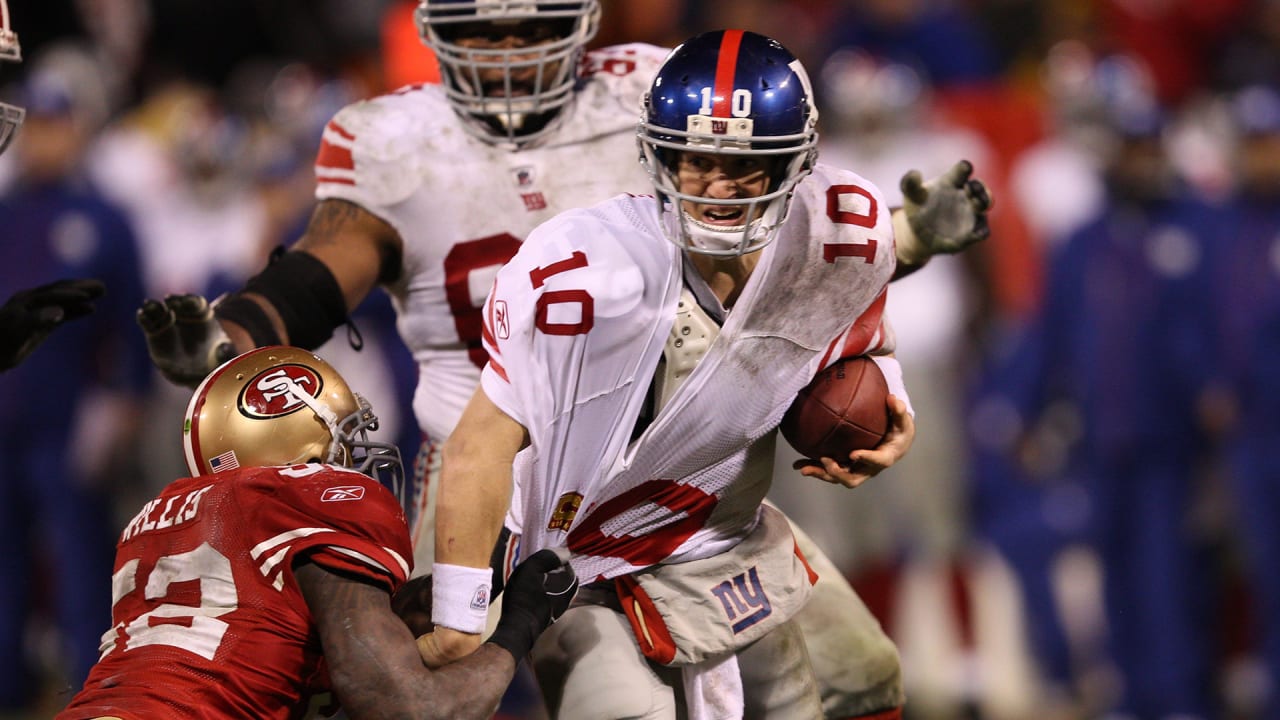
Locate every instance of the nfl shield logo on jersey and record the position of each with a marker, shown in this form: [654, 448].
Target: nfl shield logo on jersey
[523, 176]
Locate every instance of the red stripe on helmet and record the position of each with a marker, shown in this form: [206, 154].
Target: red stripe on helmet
[726, 66]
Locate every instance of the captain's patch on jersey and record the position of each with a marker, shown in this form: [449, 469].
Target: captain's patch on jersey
[566, 510]
[342, 493]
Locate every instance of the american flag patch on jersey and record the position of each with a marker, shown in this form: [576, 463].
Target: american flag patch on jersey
[225, 461]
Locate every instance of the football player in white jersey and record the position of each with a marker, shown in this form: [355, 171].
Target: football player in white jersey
[28, 316]
[429, 190]
[642, 354]
[267, 576]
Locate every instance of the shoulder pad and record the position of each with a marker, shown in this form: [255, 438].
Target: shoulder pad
[622, 74]
[375, 152]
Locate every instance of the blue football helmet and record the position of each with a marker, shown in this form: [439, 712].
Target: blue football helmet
[536, 80]
[729, 92]
[10, 51]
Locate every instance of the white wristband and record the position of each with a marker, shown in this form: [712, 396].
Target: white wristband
[893, 378]
[460, 597]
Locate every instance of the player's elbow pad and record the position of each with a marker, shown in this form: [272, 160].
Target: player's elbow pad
[303, 291]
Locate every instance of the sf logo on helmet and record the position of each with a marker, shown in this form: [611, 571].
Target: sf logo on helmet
[274, 392]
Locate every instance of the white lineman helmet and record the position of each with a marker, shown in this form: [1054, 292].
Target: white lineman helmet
[510, 114]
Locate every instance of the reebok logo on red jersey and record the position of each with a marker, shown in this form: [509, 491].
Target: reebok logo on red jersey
[342, 492]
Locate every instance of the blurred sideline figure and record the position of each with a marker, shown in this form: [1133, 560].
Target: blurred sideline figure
[69, 416]
[1121, 341]
[427, 191]
[214, 179]
[1247, 289]
[28, 316]
[266, 577]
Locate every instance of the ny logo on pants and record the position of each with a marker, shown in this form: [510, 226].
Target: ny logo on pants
[741, 595]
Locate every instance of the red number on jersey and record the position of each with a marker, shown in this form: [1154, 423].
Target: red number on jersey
[463, 259]
[866, 251]
[593, 63]
[586, 304]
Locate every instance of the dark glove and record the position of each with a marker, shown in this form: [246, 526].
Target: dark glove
[538, 591]
[947, 214]
[184, 339]
[30, 315]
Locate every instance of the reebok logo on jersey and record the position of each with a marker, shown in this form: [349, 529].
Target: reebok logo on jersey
[341, 493]
[500, 326]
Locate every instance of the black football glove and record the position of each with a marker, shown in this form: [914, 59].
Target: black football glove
[538, 591]
[184, 339]
[30, 315]
[947, 214]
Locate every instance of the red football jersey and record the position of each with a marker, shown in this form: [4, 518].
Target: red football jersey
[208, 620]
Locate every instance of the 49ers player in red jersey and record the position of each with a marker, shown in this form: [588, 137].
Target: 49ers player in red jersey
[429, 190]
[267, 576]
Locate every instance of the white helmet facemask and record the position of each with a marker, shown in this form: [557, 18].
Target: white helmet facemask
[765, 213]
[504, 114]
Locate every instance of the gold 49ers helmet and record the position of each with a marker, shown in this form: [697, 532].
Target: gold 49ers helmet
[282, 406]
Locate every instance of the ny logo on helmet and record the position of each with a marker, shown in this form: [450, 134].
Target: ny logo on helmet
[277, 391]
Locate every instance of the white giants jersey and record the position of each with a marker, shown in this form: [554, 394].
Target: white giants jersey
[576, 324]
[462, 207]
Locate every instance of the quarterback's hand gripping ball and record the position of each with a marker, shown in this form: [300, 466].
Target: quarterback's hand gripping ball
[947, 213]
[185, 340]
[841, 410]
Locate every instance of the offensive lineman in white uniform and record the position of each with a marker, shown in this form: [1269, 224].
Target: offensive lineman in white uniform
[650, 459]
[429, 190]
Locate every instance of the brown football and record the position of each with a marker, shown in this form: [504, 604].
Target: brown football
[841, 410]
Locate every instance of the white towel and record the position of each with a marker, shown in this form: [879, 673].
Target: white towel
[713, 689]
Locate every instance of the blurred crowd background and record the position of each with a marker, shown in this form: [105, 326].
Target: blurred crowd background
[1089, 521]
